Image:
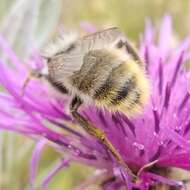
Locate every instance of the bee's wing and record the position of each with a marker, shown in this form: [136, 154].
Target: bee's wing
[101, 39]
[74, 59]
[109, 37]
[98, 40]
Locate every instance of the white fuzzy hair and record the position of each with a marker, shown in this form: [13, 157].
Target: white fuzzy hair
[59, 44]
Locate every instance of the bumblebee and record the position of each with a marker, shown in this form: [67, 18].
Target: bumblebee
[102, 69]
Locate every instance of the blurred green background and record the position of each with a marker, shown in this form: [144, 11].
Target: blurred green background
[37, 21]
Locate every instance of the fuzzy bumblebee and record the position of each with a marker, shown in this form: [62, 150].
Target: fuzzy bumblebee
[102, 69]
[98, 69]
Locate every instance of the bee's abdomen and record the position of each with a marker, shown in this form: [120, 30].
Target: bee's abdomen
[112, 88]
[123, 92]
[113, 82]
[125, 89]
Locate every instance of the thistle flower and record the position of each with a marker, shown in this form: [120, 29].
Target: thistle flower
[151, 143]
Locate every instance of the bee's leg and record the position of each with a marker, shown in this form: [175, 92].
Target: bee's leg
[131, 50]
[95, 132]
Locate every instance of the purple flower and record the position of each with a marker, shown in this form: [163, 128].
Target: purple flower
[151, 143]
